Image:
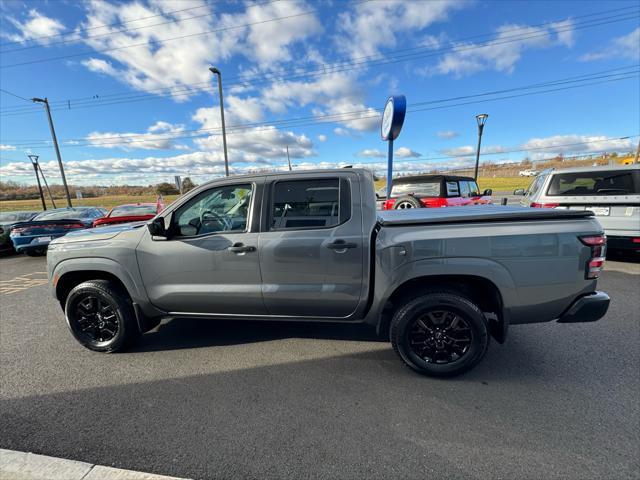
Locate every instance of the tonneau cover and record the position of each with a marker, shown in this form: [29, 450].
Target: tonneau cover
[474, 214]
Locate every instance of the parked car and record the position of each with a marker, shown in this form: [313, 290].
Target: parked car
[310, 246]
[527, 173]
[612, 193]
[435, 191]
[32, 237]
[134, 212]
[8, 220]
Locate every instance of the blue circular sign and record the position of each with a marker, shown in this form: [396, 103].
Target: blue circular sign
[393, 117]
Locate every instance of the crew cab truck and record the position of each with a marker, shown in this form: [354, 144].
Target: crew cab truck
[311, 247]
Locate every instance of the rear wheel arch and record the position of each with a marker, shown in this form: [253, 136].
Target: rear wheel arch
[479, 290]
[70, 280]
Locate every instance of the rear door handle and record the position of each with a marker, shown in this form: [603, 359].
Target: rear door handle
[241, 248]
[341, 245]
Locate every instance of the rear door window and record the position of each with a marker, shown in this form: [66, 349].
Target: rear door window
[610, 182]
[452, 189]
[464, 189]
[419, 189]
[305, 204]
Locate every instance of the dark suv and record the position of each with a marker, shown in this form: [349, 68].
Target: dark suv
[435, 191]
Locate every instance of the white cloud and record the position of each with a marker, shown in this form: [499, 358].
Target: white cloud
[460, 151]
[322, 138]
[370, 153]
[447, 134]
[158, 137]
[35, 25]
[503, 52]
[7, 148]
[575, 144]
[164, 60]
[374, 25]
[99, 66]
[404, 152]
[342, 132]
[626, 46]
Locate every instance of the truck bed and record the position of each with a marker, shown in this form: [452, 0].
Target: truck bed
[474, 214]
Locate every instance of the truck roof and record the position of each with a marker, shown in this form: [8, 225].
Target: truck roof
[604, 168]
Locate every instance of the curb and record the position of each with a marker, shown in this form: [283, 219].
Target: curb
[30, 466]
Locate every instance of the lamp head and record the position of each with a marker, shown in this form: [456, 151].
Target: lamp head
[214, 70]
[482, 118]
[33, 158]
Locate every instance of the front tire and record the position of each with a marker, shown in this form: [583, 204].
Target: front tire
[101, 317]
[36, 252]
[440, 334]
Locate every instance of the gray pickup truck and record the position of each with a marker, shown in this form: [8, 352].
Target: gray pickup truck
[311, 247]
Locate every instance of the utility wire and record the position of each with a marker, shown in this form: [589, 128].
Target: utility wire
[156, 42]
[290, 123]
[108, 34]
[127, 97]
[14, 95]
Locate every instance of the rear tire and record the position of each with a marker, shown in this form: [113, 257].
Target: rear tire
[100, 316]
[407, 201]
[36, 252]
[440, 334]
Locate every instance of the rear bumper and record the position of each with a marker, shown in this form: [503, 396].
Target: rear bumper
[589, 308]
[615, 242]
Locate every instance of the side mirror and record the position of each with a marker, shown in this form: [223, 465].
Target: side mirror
[156, 227]
[518, 191]
[488, 192]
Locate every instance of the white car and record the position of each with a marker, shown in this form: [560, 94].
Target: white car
[528, 173]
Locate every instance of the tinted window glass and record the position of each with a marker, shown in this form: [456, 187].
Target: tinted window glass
[464, 188]
[64, 213]
[8, 217]
[535, 185]
[221, 209]
[316, 203]
[452, 189]
[133, 210]
[420, 189]
[612, 182]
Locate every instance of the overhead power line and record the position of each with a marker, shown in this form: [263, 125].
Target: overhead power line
[114, 99]
[156, 42]
[76, 38]
[132, 139]
[14, 95]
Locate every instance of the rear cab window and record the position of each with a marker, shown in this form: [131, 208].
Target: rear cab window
[310, 204]
[600, 183]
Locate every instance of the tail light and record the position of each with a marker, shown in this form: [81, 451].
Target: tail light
[389, 203]
[598, 244]
[544, 205]
[54, 226]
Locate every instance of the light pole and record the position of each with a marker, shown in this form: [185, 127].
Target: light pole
[55, 144]
[34, 162]
[482, 118]
[215, 71]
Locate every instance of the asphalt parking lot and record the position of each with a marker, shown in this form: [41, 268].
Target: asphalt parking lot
[246, 400]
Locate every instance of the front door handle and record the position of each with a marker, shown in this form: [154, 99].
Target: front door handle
[241, 248]
[341, 245]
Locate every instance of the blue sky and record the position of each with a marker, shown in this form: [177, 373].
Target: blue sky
[133, 100]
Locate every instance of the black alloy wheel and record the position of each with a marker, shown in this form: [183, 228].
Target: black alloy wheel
[100, 316]
[440, 336]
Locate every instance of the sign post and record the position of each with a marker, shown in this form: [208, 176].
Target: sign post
[392, 120]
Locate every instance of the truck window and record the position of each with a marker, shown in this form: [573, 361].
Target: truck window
[221, 209]
[420, 189]
[469, 188]
[609, 182]
[452, 189]
[316, 203]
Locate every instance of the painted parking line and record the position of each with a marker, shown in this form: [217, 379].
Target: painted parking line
[23, 282]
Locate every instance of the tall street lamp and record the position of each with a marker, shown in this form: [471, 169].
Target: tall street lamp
[482, 118]
[34, 162]
[215, 71]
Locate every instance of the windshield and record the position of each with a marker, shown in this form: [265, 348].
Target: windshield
[610, 182]
[422, 189]
[63, 213]
[133, 210]
[9, 217]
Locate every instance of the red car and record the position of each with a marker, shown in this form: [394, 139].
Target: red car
[428, 191]
[134, 212]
